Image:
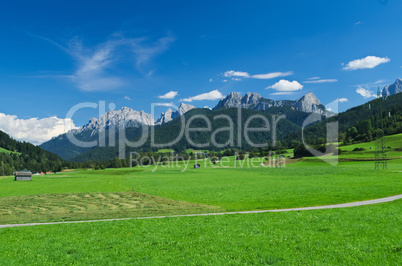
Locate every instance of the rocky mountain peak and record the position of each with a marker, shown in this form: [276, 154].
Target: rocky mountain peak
[234, 99]
[124, 117]
[170, 114]
[251, 98]
[308, 103]
[184, 108]
[394, 88]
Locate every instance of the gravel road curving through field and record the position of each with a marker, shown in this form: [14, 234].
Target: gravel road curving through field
[334, 206]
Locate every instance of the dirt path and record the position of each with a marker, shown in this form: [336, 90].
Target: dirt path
[334, 206]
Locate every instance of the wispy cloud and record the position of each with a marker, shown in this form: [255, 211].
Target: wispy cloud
[169, 95]
[366, 63]
[282, 93]
[93, 64]
[127, 98]
[232, 73]
[165, 104]
[241, 74]
[320, 81]
[272, 75]
[286, 86]
[212, 95]
[145, 52]
[34, 130]
[91, 74]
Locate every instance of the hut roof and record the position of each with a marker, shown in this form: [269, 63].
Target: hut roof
[23, 173]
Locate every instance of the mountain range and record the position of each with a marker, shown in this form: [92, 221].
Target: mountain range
[308, 103]
[132, 121]
[127, 117]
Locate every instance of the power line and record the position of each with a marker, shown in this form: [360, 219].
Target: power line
[380, 149]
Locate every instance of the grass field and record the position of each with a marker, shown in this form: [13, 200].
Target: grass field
[87, 206]
[367, 235]
[231, 189]
[360, 235]
[2, 150]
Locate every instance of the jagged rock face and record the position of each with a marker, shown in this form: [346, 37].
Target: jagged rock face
[170, 115]
[165, 117]
[265, 104]
[233, 99]
[250, 99]
[308, 103]
[125, 117]
[183, 108]
[394, 88]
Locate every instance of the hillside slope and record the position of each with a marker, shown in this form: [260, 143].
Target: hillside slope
[17, 155]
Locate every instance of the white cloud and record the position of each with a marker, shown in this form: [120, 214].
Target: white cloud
[321, 81]
[282, 93]
[210, 80]
[127, 98]
[365, 93]
[212, 95]
[286, 86]
[236, 79]
[367, 62]
[169, 95]
[272, 75]
[232, 73]
[240, 74]
[342, 100]
[34, 130]
[165, 104]
[313, 78]
[225, 80]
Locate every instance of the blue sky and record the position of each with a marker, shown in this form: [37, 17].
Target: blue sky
[56, 54]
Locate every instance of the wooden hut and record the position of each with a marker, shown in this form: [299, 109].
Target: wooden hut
[23, 175]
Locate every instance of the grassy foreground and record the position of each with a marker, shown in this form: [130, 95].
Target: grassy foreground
[367, 235]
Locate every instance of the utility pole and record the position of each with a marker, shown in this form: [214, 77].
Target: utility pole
[380, 149]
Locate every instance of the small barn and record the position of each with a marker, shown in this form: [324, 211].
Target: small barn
[23, 175]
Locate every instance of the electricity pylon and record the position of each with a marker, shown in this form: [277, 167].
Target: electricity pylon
[380, 149]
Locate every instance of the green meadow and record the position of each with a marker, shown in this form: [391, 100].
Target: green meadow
[2, 150]
[366, 235]
[359, 235]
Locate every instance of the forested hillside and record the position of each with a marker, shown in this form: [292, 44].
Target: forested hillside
[22, 155]
[356, 124]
